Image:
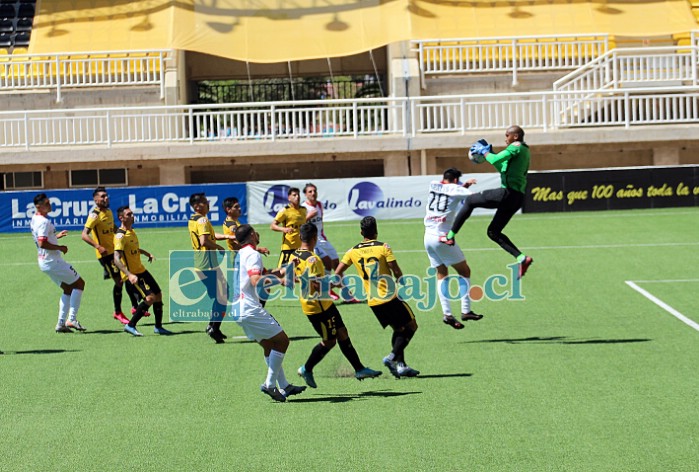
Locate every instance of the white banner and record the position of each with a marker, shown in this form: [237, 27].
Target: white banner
[385, 198]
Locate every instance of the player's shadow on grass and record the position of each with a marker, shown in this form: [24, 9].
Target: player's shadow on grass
[291, 338]
[441, 376]
[41, 351]
[560, 340]
[104, 331]
[348, 397]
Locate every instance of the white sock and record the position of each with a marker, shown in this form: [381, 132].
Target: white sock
[442, 290]
[63, 308]
[281, 378]
[75, 298]
[465, 297]
[275, 364]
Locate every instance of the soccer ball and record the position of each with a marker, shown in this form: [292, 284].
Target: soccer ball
[476, 158]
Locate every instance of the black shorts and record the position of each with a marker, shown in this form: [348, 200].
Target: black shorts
[395, 313]
[110, 269]
[326, 323]
[285, 256]
[147, 285]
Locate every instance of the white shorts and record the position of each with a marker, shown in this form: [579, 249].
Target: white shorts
[59, 271]
[442, 254]
[324, 248]
[258, 324]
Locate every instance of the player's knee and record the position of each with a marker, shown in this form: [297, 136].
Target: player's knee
[150, 299]
[329, 343]
[281, 342]
[494, 233]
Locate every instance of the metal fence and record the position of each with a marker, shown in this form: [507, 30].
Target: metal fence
[289, 89]
[508, 54]
[77, 70]
[348, 119]
[635, 67]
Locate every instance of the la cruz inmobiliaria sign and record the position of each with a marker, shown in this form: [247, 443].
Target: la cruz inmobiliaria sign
[152, 206]
[385, 198]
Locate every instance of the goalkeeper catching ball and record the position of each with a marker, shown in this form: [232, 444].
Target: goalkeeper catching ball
[513, 165]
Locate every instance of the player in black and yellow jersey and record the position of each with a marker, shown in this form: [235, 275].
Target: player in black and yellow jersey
[127, 257]
[99, 233]
[203, 238]
[321, 311]
[231, 206]
[288, 221]
[374, 260]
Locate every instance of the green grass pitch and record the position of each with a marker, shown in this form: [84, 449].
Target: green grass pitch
[586, 374]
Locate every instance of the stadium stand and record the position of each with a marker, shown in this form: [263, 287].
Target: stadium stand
[137, 107]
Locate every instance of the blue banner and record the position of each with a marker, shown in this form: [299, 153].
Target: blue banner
[153, 207]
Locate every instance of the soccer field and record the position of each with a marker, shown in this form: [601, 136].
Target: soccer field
[588, 373]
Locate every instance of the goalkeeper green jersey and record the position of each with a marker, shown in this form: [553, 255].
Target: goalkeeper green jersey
[513, 165]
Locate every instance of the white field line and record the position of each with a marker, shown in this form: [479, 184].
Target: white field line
[663, 305]
[467, 249]
[667, 281]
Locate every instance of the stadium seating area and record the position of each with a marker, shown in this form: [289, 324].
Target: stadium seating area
[16, 19]
[447, 90]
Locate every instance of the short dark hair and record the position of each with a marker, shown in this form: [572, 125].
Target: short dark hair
[40, 197]
[307, 186]
[98, 190]
[120, 210]
[229, 202]
[292, 190]
[368, 227]
[307, 232]
[243, 233]
[518, 131]
[197, 198]
[451, 174]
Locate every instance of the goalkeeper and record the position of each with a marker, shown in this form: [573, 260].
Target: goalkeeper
[513, 164]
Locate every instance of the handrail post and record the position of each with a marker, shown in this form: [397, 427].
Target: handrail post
[58, 79]
[109, 130]
[627, 110]
[191, 125]
[355, 119]
[26, 131]
[273, 111]
[462, 112]
[695, 50]
[515, 60]
[411, 106]
[161, 58]
[544, 111]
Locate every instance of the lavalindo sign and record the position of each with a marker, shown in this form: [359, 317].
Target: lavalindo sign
[152, 206]
[613, 189]
[385, 198]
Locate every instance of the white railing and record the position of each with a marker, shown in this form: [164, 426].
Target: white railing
[635, 67]
[349, 119]
[508, 54]
[79, 70]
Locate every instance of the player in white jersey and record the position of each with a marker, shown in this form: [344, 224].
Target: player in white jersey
[314, 215]
[51, 263]
[257, 322]
[444, 200]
